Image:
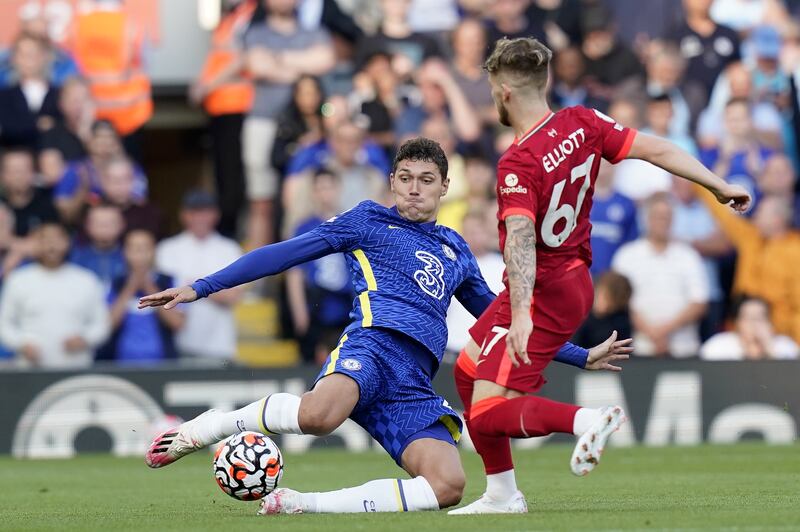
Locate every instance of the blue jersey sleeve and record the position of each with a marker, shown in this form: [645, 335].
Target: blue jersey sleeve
[345, 232]
[573, 355]
[264, 261]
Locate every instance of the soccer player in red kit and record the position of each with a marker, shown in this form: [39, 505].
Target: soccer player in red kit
[545, 182]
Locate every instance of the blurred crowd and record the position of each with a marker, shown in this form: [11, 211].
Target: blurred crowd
[307, 101]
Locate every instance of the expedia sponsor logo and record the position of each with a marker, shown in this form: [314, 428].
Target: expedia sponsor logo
[519, 189]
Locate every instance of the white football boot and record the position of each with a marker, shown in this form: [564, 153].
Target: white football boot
[177, 442]
[282, 501]
[591, 444]
[486, 505]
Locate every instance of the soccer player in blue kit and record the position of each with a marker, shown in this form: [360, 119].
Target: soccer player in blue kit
[405, 269]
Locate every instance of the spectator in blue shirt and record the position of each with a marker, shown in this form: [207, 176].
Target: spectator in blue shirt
[320, 292]
[102, 254]
[613, 220]
[140, 336]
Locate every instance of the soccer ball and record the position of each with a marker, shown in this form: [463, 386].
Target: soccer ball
[248, 465]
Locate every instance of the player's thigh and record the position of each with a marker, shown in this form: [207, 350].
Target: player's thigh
[329, 404]
[485, 389]
[439, 462]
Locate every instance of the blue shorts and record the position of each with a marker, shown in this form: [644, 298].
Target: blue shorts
[396, 403]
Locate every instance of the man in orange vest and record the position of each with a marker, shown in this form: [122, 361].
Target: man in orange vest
[107, 47]
[227, 95]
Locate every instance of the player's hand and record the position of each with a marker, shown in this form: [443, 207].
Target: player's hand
[734, 195]
[169, 298]
[612, 350]
[517, 339]
[74, 344]
[31, 353]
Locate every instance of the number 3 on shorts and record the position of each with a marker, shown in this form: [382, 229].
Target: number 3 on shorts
[566, 212]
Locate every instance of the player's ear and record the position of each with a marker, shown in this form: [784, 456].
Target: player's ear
[506, 92]
[445, 186]
[391, 181]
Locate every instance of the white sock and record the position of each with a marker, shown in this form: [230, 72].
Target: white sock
[501, 486]
[584, 419]
[384, 495]
[280, 417]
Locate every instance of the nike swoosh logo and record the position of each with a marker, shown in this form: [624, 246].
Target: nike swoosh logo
[479, 362]
[394, 227]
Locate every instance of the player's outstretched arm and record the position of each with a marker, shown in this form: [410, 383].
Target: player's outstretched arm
[673, 159]
[520, 258]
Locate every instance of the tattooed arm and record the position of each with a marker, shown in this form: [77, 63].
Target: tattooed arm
[520, 259]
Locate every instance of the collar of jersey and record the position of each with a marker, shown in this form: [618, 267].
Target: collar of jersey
[425, 226]
[534, 128]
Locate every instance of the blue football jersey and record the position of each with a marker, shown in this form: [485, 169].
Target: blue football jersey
[404, 273]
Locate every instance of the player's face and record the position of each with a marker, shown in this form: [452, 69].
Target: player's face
[418, 187]
[500, 95]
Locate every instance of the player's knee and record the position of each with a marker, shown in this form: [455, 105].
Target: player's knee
[449, 488]
[317, 420]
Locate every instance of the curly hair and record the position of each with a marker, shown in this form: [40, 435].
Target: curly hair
[422, 149]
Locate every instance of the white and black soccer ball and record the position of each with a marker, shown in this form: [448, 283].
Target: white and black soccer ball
[248, 466]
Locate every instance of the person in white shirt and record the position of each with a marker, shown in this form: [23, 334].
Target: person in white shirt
[477, 234]
[753, 337]
[670, 286]
[210, 328]
[53, 314]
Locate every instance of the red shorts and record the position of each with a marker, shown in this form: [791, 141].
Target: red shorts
[560, 304]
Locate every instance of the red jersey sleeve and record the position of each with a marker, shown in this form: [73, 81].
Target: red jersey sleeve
[516, 190]
[616, 139]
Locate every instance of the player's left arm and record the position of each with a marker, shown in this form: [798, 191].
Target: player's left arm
[665, 154]
[520, 258]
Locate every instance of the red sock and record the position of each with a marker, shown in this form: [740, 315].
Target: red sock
[494, 451]
[522, 417]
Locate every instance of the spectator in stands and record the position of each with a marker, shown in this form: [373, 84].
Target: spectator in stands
[441, 97]
[659, 119]
[469, 51]
[73, 128]
[768, 255]
[101, 254]
[509, 18]
[118, 183]
[51, 168]
[479, 239]
[707, 46]
[440, 130]
[670, 287]
[479, 176]
[613, 218]
[347, 159]
[778, 179]
[30, 105]
[692, 224]
[634, 178]
[108, 45]
[739, 157]
[277, 52]
[227, 96]
[52, 313]
[82, 181]
[610, 310]
[299, 125]
[320, 293]
[561, 21]
[31, 206]
[395, 36]
[744, 15]
[611, 67]
[569, 88]
[753, 337]
[61, 65]
[210, 328]
[140, 336]
[665, 67]
[376, 95]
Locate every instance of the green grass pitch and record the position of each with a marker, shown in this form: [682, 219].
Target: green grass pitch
[740, 487]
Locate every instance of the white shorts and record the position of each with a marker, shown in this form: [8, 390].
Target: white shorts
[258, 136]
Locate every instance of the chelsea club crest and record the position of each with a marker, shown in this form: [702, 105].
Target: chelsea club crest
[448, 252]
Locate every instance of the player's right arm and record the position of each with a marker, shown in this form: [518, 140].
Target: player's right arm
[675, 160]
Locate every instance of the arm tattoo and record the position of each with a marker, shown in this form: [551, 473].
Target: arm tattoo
[520, 259]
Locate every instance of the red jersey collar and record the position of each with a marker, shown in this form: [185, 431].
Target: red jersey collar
[536, 127]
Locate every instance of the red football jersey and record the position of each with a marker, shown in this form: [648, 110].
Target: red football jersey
[548, 175]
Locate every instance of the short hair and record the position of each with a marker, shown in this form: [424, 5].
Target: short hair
[325, 172]
[660, 98]
[525, 58]
[619, 289]
[742, 299]
[18, 150]
[422, 149]
[98, 125]
[737, 101]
